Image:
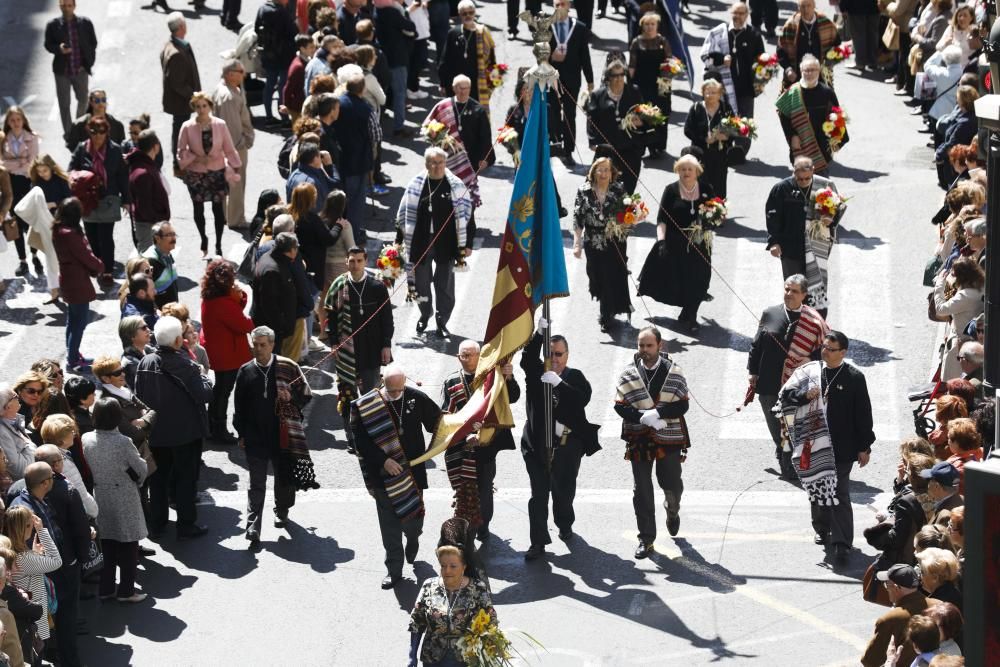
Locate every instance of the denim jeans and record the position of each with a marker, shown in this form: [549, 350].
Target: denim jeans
[398, 86]
[275, 80]
[77, 315]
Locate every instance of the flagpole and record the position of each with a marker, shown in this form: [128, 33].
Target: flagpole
[547, 356]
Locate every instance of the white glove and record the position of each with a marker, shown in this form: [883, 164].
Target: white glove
[559, 429]
[659, 424]
[648, 417]
[552, 378]
[542, 325]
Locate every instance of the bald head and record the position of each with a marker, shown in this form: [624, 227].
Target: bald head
[50, 454]
[395, 381]
[468, 355]
[38, 478]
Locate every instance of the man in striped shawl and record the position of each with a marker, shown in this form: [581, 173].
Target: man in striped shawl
[388, 425]
[788, 336]
[807, 32]
[652, 398]
[802, 110]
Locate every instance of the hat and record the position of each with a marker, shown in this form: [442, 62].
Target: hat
[943, 473]
[901, 575]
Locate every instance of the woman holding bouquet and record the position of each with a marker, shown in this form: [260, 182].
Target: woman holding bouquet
[678, 269]
[645, 55]
[704, 128]
[606, 109]
[445, 611]
[597, 233]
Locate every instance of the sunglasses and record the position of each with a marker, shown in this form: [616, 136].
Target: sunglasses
[117, 373]
[99, 100]
[31, 391]
[98, 131]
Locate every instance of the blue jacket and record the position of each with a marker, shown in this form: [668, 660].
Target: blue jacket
[354, 136]
[322, 181]
[961, 131]
[144, 309]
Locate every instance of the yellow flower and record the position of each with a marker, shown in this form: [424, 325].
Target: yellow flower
[480, 623]
[828, 127]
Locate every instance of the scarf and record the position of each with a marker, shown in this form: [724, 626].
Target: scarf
[486, 58]
[406, 216]
[97, 155]
[295, 465]
[812, 449]
[817, 250]
[459, 459]
[790, 104]
[809, 332]
[338, 304]
[826, 32]
[644, 441]
[404, 494]
[717, 41]
[458, 160]
[121, 392]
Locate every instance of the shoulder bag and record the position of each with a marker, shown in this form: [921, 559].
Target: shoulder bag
[11, 232]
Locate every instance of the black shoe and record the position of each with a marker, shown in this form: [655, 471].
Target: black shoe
[605, 325]
[156, 532]
[146, 551]
[390, 581]
[22, 269]
[512, 32]
[534, 552]
[280, 520]
[566, 535]
[602, 14]
[819, 539]
[643, 550]
[841, 553]
[563, 212]
[568, 159]
[441, 328]
[191, 531]
[218, 251]
[224, 437]
[912, 103]
[422, 324]
[253, 537]
[412, 546]
[673, 524]
[382, 178]
[37, 263]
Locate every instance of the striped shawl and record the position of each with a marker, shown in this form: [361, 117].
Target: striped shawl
[458, 160]
[406, 216]
[295, 465]
[808, 337]
[486, 58]
[459, 459]
[717, 41]
[632, 391]
[790, 104]
[338, 305]
[826, 30]
[812, 448]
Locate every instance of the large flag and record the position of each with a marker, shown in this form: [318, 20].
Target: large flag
[675, 35]
[532, 268]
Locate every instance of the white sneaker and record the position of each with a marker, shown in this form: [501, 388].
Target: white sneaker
[135, 597]
[316, 346]
[416, 95]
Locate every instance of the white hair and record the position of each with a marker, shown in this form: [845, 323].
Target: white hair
[976, 227]
[262, 332]
[175, 21]
[951, 54]
[803, 160]
[348, 72]
[973, 350]
[283, 223]
[167, 330]
[434, 151]
[466, 4]
[7, 394]
[808, 59]
[393, 370]
[468, 344]
[461, 78]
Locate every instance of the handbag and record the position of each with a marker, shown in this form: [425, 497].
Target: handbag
[94, 562]
[11, 232]
[932, 313]
[248, 264]
[931, 270]
[890, 38]
[872, 589]
[109, 209]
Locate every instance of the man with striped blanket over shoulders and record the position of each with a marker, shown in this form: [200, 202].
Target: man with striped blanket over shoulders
[828, 415]
[651, 399]
[388, 425]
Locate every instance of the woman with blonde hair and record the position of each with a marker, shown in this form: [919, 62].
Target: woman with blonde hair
[939, 572]
[18, 149]
[678, 269]
[22, 527]
[49, 176]
[959, 296]
[946, 408]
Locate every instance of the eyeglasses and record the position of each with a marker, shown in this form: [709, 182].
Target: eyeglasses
[149, 270]
[467, 355]
[98, 130]
[617, 76]
[831, 349]
[31, 391]
[99, 100]
[171, 235]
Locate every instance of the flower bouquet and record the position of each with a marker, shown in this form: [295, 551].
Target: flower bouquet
[390, 263]
[711, 215]
[838, 54]
[485, 645]
[739, 127]
[508, 138]
[642, 116]
[633, 212]
[835, 127]
[436, 134]
[670, 69]
[766, 68]
[827, 204]
[495, 75]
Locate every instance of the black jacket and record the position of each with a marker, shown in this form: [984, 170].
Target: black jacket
[171, 383]
[420, 413]
[314, 238]
[275, 296]
[25, 614]
[569, 400]
[114, 167]
[354, 137]
[576, 66]
[78, 131]
[603, 125]
[503, 438]
[377, 334]
[785, 211]
[57, 34]
[254, 417]
[848, 412]
[396, 33]
[276, 30]
[767, 352]
[474, 128]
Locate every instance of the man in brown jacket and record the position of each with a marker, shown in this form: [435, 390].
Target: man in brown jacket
[180, 78]
[903, 586]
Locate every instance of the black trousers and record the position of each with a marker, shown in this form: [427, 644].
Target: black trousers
[176, 470]
[175, 129]
[562, 117]
[836, 522]
[585, 12]
[219, 406]
[486, 472]
[284, 492]
[120, 557]
[20, 186]
[101, 236]
[559, 483]
[904, 80]
[393, 530]
[230, 11]
[764, 12]
[67, 582]
[668, 477]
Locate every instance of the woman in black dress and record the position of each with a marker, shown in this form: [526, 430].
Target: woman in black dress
[607, 106]
[702, 128]
[648, 51]
[678, 269]
[598, 201]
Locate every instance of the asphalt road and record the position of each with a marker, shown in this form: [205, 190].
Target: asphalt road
[741, 584]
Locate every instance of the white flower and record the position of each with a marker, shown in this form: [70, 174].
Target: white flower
[627, 201]
[833, 117]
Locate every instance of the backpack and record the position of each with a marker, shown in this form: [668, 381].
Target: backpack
[285, 156]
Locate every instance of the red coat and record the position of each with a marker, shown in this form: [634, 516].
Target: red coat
[294, 91]
[224, 330]
[77, 263]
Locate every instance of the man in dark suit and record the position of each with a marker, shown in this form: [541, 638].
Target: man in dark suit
[572, 437]
[570, 45]
[356, 159]
[73, 43]
[942, 486]
[849, 420]
[180, 78]
[784, 341]
[275, 295]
